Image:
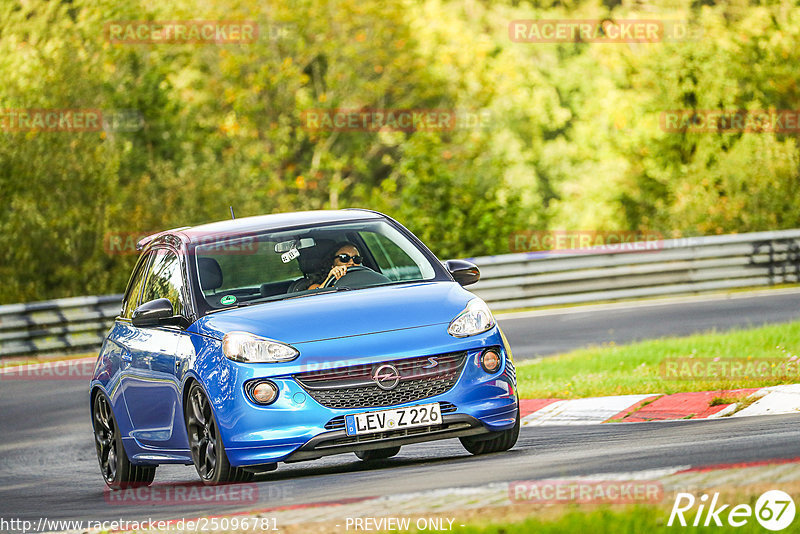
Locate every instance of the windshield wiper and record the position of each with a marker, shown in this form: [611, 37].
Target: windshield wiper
[232, 307]
[285, 296]
[317, 292]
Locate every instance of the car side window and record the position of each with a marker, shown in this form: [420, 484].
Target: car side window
[131, 299]
[165, 280]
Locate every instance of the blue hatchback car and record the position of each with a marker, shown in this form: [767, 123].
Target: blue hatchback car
[290, 337]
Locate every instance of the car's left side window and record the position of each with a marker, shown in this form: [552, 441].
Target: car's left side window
[135, 287]
[165, 280]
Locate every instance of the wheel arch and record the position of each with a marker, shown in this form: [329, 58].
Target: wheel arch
[95, 389]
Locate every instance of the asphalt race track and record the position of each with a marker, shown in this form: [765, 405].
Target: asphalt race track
[569, 329]
[48, 465]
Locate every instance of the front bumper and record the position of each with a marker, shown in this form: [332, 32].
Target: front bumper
[297, 428]
[337, 441]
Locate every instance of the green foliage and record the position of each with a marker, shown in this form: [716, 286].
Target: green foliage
[631, 519]
[572, 141]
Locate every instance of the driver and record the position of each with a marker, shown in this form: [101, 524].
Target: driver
[345, 255]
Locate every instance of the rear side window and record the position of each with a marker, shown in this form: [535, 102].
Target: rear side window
[131, 299]
[165, 280]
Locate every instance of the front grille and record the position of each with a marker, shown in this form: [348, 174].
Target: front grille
[355, 387]
[337, 423]
[447, 407]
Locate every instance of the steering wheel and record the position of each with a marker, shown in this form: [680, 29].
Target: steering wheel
[331, 281]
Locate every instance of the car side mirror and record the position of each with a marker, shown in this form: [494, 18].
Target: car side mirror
[154, 313]
[464, 272]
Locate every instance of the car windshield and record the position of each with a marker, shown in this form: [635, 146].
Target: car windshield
[240, 271]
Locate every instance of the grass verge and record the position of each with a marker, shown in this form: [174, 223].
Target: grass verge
[634, 520]
[649, 518]
[638, 368]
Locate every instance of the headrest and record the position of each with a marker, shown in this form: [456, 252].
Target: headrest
[314, 259]
[210, 273]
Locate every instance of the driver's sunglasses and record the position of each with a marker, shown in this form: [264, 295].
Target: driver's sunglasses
[344, 258]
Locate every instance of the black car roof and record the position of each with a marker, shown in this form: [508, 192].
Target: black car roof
[249, 225]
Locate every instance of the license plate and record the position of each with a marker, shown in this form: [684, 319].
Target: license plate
[398, 418]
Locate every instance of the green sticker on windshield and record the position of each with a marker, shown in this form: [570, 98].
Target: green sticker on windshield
[227, 299]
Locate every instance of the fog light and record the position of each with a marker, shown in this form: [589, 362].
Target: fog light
[490, 361]
[264, 392]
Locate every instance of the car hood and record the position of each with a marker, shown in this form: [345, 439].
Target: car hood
[342, 314]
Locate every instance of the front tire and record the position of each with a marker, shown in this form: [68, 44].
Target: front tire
[117, 469]
[205, 442]
[377, 454]
[502, 442]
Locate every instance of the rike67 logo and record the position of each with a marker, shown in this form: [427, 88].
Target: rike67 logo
[774, 510]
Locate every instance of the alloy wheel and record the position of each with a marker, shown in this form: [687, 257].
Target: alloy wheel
[202, 434]
[104, 438]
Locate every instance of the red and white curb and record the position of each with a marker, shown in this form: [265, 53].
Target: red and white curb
[773, 400]
[582, 411]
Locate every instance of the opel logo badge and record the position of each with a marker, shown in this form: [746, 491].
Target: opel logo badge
[386, 377]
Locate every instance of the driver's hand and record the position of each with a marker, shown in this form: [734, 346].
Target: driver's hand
[339, 271]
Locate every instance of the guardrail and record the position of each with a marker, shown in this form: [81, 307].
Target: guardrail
[56, 325]
[672, 267]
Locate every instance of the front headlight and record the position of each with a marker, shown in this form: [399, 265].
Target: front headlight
[249, 348]
[475, 318]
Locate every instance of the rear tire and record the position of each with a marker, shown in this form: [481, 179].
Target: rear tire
[115, 466]
[377, 454]
[205, 442]
[504, 440]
